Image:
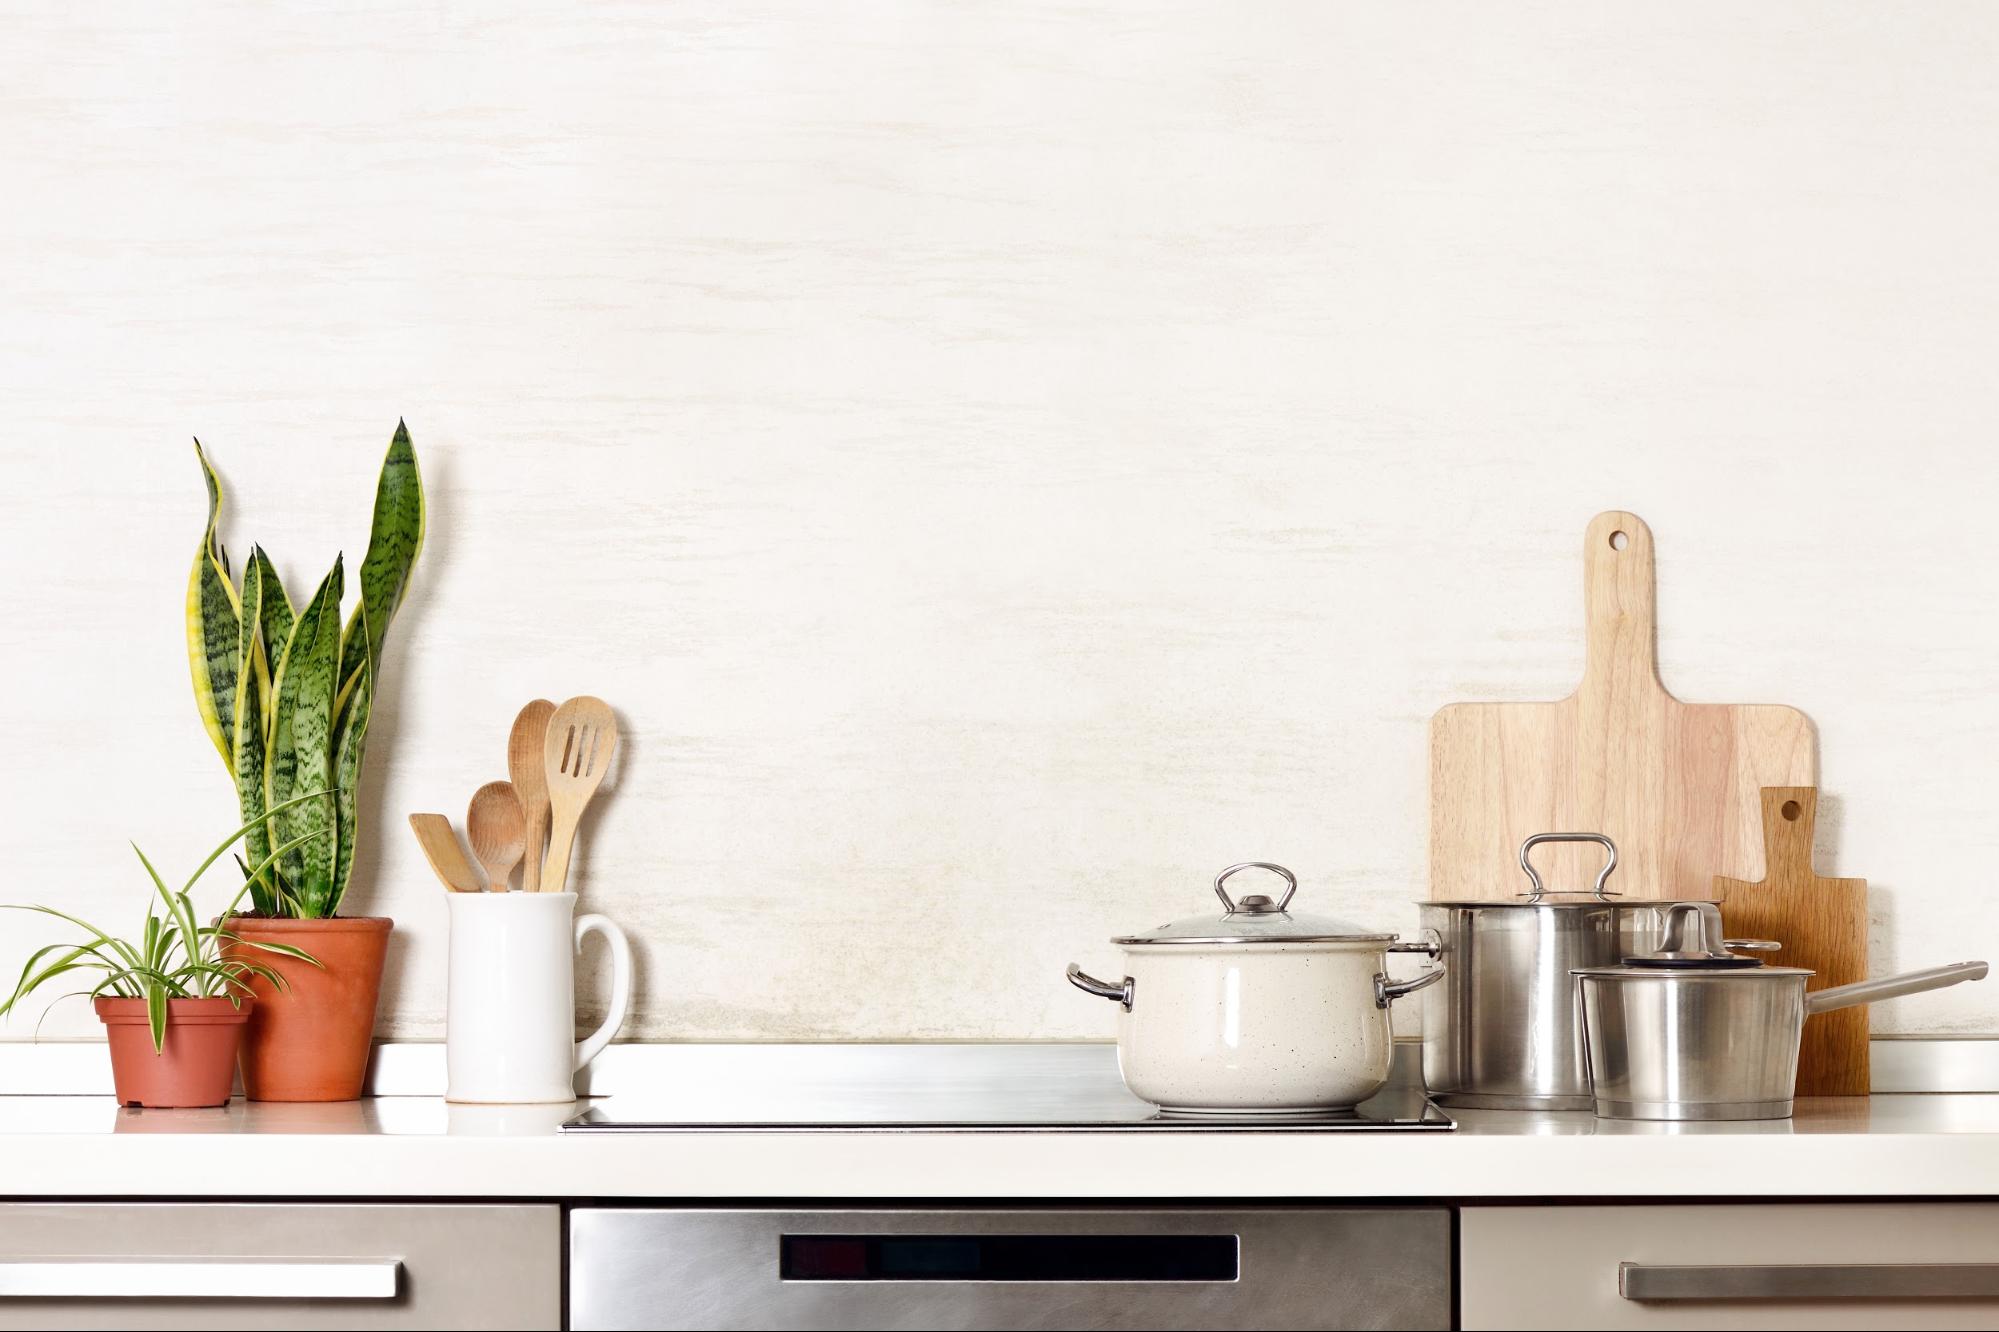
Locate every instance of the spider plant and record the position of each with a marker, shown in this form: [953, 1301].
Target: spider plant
[173, 956]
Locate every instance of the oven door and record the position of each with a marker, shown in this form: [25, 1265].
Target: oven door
[1010, 1267]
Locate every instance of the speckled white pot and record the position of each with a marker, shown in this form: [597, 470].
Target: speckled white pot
[1265, 1027]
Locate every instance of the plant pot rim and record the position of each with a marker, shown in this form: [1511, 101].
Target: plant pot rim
[114, 1010]
[320, 925]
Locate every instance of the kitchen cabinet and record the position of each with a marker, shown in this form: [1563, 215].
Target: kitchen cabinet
[1723, 1265]
[318, 1265]
[1010, 1267]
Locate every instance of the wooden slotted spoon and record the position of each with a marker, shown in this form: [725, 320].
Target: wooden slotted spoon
[440, 847]
[524, 768]
[582, 737]
[498, 830]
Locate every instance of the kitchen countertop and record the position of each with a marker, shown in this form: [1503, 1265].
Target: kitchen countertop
[1944, 1145]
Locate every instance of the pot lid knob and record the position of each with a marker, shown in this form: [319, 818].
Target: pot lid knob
[1692, 937]
[1256, 904]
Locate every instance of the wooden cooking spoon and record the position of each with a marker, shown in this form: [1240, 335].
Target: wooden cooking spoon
[524, 760]
[440, 847]
[499, 831]
[582, 737]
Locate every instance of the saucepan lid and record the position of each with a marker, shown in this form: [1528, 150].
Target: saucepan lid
[1690, 938]
[1256, 919]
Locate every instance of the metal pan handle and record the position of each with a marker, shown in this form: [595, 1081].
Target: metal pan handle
[1534, 877]
[1887, 987]
[1089, 984]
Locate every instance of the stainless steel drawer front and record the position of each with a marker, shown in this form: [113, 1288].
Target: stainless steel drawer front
[1294, 1267]
[1811, 1281]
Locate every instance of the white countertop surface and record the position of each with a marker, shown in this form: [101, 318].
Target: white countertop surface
[405, 1146]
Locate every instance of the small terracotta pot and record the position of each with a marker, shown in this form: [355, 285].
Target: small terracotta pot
[196, 1066]
[310, 1040]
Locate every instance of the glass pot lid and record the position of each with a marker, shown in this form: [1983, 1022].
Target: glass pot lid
[1256, 918]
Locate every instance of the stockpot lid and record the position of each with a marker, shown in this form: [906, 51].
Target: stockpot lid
[1256, 919]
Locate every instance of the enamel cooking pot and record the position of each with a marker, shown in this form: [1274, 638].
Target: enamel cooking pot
[1258, 1011]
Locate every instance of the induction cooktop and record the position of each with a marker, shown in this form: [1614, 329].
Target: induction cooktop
[963, 1096]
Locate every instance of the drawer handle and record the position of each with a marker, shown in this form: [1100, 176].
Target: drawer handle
[199, 1278]
[1811, 1281]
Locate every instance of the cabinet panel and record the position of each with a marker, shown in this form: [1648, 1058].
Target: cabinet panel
[1010, 1267]
[1820, 1266]
[320, 1265]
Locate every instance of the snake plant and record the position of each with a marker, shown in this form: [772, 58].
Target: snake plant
[173, 956]
[285, 694]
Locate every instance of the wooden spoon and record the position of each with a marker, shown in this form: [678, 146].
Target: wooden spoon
[582, 737]
[439, 841]
[524, 769]
[499, 831]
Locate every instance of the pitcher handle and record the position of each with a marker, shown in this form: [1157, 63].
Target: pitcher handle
[621, 984]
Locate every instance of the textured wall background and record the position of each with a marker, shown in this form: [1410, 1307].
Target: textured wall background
[1005, 461]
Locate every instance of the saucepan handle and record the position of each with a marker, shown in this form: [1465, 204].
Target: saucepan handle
[1102, 989]
[1887, 987]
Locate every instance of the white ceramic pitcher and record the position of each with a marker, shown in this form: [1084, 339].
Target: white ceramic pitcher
[510, 1028]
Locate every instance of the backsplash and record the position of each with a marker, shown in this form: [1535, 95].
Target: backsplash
[985, 530]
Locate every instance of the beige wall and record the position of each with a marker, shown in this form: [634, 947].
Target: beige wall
[1005, 461]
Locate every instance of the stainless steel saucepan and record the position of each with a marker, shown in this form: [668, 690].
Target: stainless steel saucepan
[1695, 1030]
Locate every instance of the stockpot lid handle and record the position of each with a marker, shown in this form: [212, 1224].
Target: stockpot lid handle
[1257, 905]
[1534, 877]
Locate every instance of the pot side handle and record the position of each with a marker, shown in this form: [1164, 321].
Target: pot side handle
[1386, 989]
[1887, 987]
[1089, 984]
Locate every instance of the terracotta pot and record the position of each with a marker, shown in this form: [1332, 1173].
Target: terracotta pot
[310, 1040]
[196, 1066]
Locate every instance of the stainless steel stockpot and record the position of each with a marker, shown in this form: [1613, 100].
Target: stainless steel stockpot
[1261, 1011]
[1502, 1031]
[1694, 1031]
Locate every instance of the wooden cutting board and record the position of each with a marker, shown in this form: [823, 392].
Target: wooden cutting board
[1822, 924]
[1674, 784]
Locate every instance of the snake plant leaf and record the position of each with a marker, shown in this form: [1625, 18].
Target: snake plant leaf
[252, 713]
[300, 755]
[352, 737]
[394, 541]
[275, 609]
[213, 631]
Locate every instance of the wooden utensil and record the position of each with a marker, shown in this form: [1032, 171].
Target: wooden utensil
[440, 847]
[498, 830]
[524, 768]
[1673, 784]
[582, 738]
[1822, 924]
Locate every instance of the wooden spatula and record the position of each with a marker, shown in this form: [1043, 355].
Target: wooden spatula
[440, 847]
[524, 769]
[498, 830]
[582, 737]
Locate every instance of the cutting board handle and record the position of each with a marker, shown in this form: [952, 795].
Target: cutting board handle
[1788, 815]
[1619, 582]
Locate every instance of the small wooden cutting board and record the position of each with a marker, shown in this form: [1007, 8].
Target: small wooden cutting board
[1673, 784]
[1822, 924]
